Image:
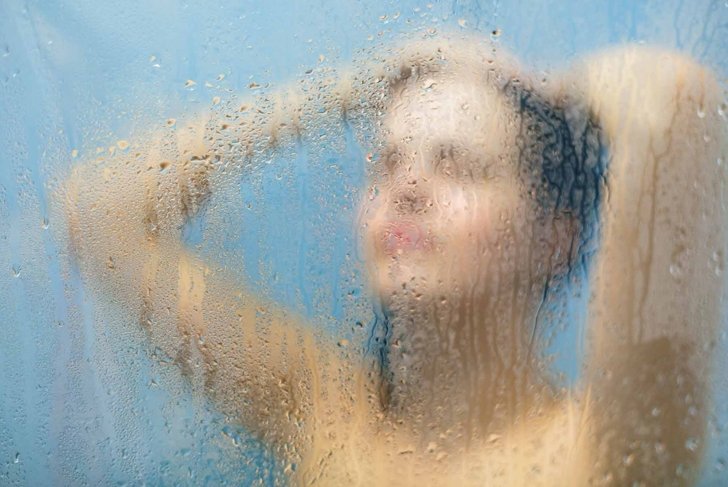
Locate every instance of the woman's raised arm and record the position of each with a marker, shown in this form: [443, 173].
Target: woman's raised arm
[658, 279]
[125, 211]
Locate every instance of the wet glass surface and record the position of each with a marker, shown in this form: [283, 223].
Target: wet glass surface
[393, 243]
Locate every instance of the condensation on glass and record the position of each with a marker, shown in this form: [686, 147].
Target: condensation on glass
[427, 250]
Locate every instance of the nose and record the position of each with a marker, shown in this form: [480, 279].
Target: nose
[412, 197]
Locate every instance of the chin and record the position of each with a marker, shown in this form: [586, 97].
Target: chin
[413, 278]
[399, 276]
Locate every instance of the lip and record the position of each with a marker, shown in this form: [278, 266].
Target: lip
[403, 236]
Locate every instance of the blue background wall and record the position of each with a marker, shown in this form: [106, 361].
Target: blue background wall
[81, 402]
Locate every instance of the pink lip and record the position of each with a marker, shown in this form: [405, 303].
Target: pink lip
[401, 236]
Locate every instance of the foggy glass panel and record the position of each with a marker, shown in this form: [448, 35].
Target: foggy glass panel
[400, 243]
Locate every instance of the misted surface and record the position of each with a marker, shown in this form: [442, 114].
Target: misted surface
[456, 243]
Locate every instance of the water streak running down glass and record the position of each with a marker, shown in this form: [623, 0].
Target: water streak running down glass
[456, 243]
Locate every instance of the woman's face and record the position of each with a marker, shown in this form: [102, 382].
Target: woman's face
[448, 207]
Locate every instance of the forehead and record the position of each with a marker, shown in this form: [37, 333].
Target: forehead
[459, 109]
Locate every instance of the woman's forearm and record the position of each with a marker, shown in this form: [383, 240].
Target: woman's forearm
[125, 212]
[658, 280]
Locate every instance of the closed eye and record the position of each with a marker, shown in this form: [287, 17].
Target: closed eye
[461, 164]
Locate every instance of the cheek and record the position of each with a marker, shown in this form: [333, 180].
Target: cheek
[370, 208]
[467, 218]
[371, 220]
[484, 228]
[465, 235]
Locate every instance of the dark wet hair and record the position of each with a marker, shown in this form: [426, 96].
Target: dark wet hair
[562, 160]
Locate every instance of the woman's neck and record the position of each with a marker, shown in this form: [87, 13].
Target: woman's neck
[463, 367]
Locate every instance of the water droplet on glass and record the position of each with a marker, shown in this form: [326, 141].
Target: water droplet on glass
[628, 460]
[701, 112]
[171, 122]
[17, 270]
[717, 259]
[17, 458]
[232, 435]
[45, 223]
[189, 83]
[122, 144]
[692, 444]
[216, 100]
[495, 33]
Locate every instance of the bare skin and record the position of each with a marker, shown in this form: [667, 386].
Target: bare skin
[461, 261]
